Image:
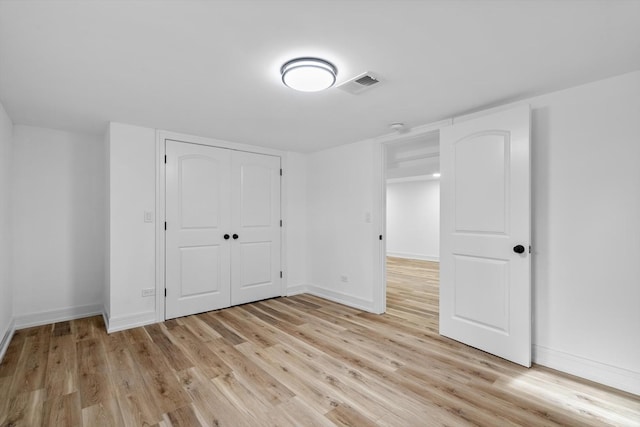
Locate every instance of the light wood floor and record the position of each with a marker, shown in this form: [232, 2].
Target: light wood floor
[297, 361]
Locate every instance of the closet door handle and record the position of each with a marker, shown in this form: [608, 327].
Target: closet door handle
[235, 236]
[519, 249]
[226, 237]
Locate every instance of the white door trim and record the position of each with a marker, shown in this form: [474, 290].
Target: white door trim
[161, 136]
[380, 203]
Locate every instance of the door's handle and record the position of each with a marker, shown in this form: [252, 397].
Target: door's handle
[519, 249]
[226, 237]
[235, 236]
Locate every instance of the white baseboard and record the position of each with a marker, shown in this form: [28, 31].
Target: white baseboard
[341, 298]
[54, 316]
[296, 290]
[602, 373]
[6, 339]
[115, 324]
[409, 255]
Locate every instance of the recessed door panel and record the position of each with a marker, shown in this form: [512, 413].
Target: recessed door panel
[481, 183]
[198, 208]
[256, 257]
[481, 292]
[256, 195]
[198, 266]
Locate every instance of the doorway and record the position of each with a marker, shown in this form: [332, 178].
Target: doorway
[412, 189]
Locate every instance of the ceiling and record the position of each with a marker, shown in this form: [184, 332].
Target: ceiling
[211, 68]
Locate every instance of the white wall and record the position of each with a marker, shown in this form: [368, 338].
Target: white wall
[586, 229]
[340, 201]
[413, 219]
[295, 222]
[6, 288]
[58, 216]
[132, 191]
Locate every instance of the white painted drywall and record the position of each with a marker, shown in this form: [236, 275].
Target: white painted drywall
[340, 200]
[58, 224]
[6, 288]
[586, 225]
[294, 195]
[413, 219]
[132, 191]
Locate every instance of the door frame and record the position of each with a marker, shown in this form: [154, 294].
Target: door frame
[380, 204]
[379, 291]
[161, 136]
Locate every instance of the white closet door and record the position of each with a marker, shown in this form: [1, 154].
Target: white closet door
[255, 249]
[485, 265]
[198, 217]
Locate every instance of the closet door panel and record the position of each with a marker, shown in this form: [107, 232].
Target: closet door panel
[198, 216]
[255, 253]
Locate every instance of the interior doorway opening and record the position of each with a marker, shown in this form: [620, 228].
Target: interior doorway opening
[412, 211]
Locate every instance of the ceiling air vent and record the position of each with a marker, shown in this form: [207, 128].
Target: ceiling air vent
[360, 83]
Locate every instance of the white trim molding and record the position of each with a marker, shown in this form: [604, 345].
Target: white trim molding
[296, 290]
[343, 299]
[409, 255]
[602, 373]
[115, 324]
[55, 316]
[6, 339]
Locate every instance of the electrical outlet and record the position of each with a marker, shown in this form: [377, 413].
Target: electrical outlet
[344, 279]
[148, 292]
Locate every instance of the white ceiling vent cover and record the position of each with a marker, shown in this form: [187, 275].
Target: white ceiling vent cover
[360, 83]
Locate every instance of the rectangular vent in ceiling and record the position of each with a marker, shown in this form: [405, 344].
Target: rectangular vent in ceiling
[359, 83]
[367, 80]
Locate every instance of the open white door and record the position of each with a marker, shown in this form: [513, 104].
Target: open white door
[255, 251]
[485, 264]
[198, 220]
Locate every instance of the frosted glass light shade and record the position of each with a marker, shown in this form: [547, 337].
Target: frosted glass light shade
[308, 74]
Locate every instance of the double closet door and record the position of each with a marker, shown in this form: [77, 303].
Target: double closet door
[223, 228]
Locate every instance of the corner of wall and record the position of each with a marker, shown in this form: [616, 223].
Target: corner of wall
[7, 320]
[6, 339]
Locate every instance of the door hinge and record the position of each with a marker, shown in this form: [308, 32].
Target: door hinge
[165, 226]
[280, 171]
[165, 158]
[165, 292]
[280, 223]
[281, 274]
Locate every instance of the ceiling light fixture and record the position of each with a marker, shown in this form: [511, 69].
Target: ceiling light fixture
[308, 74]
[436, 175]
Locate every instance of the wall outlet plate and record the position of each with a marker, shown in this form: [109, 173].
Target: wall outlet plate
[148, 292]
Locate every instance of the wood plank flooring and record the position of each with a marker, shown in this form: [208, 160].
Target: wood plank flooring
[297, 361]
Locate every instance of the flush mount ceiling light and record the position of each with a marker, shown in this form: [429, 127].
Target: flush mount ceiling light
[309, 74]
